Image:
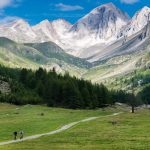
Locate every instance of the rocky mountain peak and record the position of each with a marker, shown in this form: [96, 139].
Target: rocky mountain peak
[101, 23]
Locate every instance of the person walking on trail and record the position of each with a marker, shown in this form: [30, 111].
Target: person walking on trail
[15, 135]
[21, 135]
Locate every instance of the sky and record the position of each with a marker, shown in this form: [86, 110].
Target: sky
[35, 11]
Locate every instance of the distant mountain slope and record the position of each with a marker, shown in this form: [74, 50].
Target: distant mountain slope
[23, 51]
[123, 46]
[46, 55]
[121, 65]
[51, 50]
[10, 59]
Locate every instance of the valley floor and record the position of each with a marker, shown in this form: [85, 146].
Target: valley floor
[130, 132]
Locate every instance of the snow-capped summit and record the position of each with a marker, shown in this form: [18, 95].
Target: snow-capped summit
[103, 26]
[60, 26]
[141, 18]
[109, 7]
[61, 22]
[51, 31]
[43, 31]
[43, 23]
[19, 22]
[18, 30]
[21, 26]
[138, 22]
[102, 23]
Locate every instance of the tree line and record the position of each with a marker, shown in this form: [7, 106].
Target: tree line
[57, 90]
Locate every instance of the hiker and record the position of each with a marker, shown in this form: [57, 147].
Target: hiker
[21, 135]
[15, 135]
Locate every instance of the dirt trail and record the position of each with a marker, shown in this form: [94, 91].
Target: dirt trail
[65, 127]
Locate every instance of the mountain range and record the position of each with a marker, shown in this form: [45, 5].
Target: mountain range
[97, 30]
[86, 48]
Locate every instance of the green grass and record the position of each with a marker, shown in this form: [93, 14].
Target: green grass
[130, 133]
[28, 118]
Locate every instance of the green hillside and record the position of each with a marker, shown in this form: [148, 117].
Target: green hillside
[51, 50]
[120, 71]
[46, 55]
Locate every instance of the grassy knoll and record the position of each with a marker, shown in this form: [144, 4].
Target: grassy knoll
[29, 119]
[130, 133]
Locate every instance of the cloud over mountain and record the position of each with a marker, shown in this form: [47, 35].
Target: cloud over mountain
[64, 7]
[130, 1]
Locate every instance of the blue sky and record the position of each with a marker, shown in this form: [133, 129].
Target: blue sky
[35, 11]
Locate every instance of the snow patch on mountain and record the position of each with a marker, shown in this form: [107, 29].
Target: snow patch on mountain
[19, 31]
[52, 31]
[99, 29]
[101, 23]
[138, 22]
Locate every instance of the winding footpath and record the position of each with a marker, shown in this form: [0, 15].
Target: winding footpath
[56, 131]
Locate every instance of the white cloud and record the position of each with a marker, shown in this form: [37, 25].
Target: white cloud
[5, 3]
[64, 7]
[9, 19]
[130, 1]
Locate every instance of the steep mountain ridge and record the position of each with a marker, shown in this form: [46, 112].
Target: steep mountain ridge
[51, 31]
[19, 31]
[123, 46]
[137, 23]
[100, 26]
[104, 32]
[101, 23]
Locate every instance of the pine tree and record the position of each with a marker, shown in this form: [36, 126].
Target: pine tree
[24, 76]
